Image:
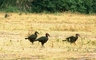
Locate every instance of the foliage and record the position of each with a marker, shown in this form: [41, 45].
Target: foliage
[94, 6]
[21, 5]
[82, 6]
[1, 2]
[48, 5]
[11, 9]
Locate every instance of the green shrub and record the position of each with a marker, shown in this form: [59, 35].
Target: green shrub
[11, 9]
[49, 6]
[94, 6]
[1, 2]
[82, 6]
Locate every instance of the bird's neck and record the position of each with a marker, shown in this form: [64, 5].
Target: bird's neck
[46, 35]
[35, 34]
[76, 37]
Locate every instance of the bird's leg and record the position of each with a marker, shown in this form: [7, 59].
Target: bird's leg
[52, 44]
[42, 44]
[32, 43]
[74, 43]
[38, 43]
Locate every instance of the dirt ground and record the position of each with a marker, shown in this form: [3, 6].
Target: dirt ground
[15, 28]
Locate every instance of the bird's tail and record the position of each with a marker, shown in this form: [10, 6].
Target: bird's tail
[64, 40]
[26, 38]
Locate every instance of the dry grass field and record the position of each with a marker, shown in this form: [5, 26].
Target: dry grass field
[15, 28]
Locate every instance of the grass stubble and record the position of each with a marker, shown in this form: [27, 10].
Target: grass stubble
[15, 28]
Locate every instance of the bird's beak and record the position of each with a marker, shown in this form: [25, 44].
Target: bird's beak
[80, 37]
[38, 33]
[49, 36]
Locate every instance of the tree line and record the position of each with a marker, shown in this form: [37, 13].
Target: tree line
[50, 6]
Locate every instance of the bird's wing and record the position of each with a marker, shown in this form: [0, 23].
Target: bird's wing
[70, 38]
[32, 36]
[41, 38]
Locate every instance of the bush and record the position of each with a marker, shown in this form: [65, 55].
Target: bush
[48, 5]
[1, 2]
[94, 6]
[11, 9]
[82, 6]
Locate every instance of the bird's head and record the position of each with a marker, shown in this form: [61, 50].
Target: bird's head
[47, 34]
[36, 32]
[77, 35]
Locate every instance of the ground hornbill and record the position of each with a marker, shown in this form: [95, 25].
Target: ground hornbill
[32, 37]
[72, 39]
[43, 39]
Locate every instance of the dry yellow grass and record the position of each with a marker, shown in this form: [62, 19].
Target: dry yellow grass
[15, 28]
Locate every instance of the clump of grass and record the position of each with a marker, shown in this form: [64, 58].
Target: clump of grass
[68, 49]
[1, 49]
[93, 43]
[57, 40]
[88, 42]
[30, 31]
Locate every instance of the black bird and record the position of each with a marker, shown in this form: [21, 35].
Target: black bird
[43, 39]
[6, 15]
[72, 39]
[32, 37]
